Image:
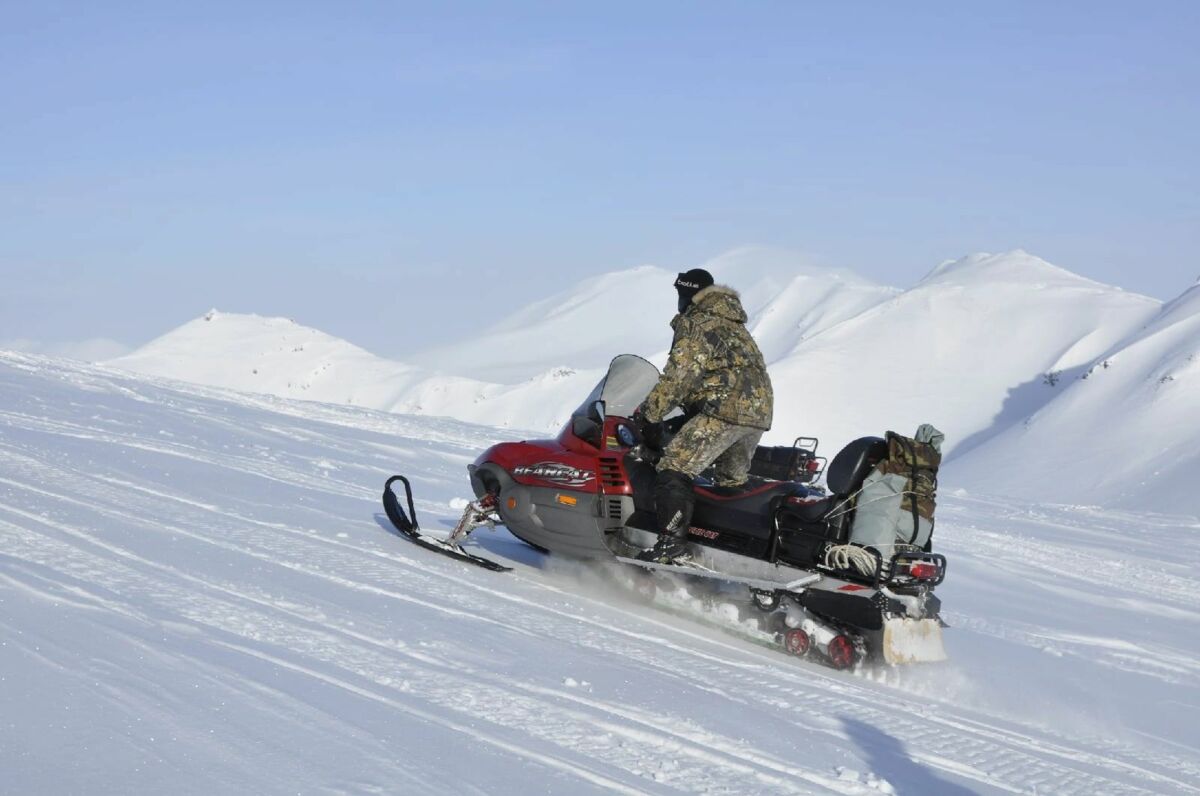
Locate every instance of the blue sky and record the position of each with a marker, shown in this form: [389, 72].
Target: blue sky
[393, 173]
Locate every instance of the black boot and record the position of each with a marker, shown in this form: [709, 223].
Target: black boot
[667, 550]
[673, 503]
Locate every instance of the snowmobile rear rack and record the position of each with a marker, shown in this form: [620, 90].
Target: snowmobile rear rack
[798, 462]
[904, 570]
[474, 515]
[916, 568]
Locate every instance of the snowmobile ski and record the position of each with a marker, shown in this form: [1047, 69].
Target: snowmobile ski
[474, 516]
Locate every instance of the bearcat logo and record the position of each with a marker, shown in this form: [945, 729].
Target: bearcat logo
[555, 472]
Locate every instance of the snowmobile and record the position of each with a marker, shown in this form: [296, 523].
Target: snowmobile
[589, 494]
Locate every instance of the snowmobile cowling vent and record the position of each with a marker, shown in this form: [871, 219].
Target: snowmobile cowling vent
[853, 464]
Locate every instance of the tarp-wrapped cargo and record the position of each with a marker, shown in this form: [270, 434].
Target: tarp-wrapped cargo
[896, 503]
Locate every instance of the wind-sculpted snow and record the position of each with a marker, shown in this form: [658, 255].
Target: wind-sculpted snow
[969, 349]
[198, 594]
[1125, 431]
[629, 311]
[527, 370]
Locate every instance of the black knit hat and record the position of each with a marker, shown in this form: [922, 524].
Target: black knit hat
[689, 283]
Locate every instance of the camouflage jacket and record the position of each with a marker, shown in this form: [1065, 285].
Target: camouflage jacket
[715, 367]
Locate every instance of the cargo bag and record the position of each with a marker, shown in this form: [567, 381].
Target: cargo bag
[895, 506]
[791, 463]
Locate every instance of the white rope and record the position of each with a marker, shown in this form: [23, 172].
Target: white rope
[834, 513]
[847, 556]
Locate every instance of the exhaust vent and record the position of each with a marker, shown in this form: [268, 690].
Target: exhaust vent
[613, 513]
[610, 472]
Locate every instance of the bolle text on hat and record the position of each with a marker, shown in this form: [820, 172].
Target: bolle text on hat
[689, 283]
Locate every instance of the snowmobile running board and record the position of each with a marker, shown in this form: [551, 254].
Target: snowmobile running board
[412, 530]
[700, 571]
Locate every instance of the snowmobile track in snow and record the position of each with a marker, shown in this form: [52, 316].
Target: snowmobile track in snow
[180, 540]
[993, 755]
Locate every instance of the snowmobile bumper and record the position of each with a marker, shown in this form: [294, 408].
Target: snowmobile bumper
[907, 640]
[565, 521]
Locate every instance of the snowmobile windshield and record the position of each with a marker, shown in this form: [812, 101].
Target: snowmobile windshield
[627, 383]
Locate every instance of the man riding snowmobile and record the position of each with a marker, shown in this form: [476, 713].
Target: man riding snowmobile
[717, 375]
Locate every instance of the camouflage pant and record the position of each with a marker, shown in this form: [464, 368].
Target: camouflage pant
[705, 440]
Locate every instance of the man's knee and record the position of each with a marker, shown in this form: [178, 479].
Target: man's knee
[732, 468]
[699, 443]
[680, 458]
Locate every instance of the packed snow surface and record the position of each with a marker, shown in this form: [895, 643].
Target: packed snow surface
[198, 594]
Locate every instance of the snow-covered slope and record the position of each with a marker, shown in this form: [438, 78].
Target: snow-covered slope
[279, 357]
[789, 300]
[276, 356]
[629, 312]
[977, 347]
[581, 328]
[1124, 432]
[198, 595]
[969, 349]
[528, 370]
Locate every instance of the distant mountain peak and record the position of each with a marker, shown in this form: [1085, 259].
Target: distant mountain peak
[219, 335]
[783, 266]
[1014, 265]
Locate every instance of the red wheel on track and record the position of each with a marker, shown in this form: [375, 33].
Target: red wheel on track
[797, 642]
[841, 652]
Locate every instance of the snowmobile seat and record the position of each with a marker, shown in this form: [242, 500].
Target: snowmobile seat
[754, 491]
[814, 510]
[854, 463]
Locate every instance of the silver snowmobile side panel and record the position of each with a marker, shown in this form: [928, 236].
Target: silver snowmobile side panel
[563, 521]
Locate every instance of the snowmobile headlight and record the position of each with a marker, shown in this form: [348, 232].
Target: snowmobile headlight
[626, 435]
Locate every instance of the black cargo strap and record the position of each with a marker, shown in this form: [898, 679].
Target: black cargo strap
[912, 480]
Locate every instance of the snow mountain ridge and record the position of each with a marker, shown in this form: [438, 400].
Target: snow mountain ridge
[629, 311]
[969, 348]
[978, 347]
[1124, 432]
[276, 356]
[279, 357]
[543, 357]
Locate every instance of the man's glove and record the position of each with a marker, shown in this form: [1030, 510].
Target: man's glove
[649, 434]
